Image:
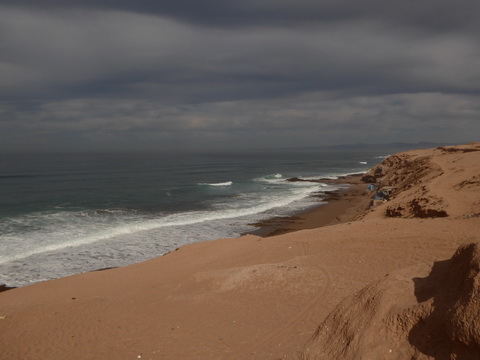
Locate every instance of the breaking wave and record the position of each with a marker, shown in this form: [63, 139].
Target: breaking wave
[226, 183]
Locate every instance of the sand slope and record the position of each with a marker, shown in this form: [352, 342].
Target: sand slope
[406, 316]
[264, 298]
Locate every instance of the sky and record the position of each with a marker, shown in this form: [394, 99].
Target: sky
[165, 75]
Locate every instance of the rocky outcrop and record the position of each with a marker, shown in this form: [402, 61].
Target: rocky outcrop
[374, 175]
[410, 176]
[421, 207]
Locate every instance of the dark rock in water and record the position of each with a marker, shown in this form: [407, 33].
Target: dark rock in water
[321, 180]
[106, 268]
[331, 195]
[5, 288]
[296, 179]
[337, 180]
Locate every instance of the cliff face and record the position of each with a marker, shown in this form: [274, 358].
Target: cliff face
[442, 182]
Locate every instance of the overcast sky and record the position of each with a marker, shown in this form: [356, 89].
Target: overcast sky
[150, 75]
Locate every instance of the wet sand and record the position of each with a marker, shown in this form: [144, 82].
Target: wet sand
[336, 207]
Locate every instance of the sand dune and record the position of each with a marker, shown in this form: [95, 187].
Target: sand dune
[378, 287]
[407, 316]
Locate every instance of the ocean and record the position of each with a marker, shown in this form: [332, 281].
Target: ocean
[62, 214]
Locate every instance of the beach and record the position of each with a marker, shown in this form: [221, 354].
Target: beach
[65, 214]
[342, 205]
[305, 287]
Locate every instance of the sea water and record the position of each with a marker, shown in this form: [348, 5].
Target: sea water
[62, 214]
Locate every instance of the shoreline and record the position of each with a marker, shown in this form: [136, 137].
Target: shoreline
[381, 285]
[339, 206]
[4, 287]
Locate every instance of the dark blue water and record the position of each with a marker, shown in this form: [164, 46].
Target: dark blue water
[62, 214]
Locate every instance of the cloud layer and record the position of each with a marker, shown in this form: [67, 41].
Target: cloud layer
[145, 75]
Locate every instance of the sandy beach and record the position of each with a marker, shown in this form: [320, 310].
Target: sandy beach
[338, 206]
[343, 281]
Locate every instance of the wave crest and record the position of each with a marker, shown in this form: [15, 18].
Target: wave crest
[226, 183]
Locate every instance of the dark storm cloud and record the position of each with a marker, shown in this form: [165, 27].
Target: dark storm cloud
[119, 54]
[137, 74]
[437, 15]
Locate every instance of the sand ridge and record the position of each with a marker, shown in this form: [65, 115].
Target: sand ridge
[420, 312]
[270, 298]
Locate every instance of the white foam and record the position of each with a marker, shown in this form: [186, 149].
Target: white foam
[271, 179]
[226, 183]
[42, 246]
[95, 228]
[363, 162]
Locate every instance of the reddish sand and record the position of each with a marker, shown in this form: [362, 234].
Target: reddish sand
[319, 293]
